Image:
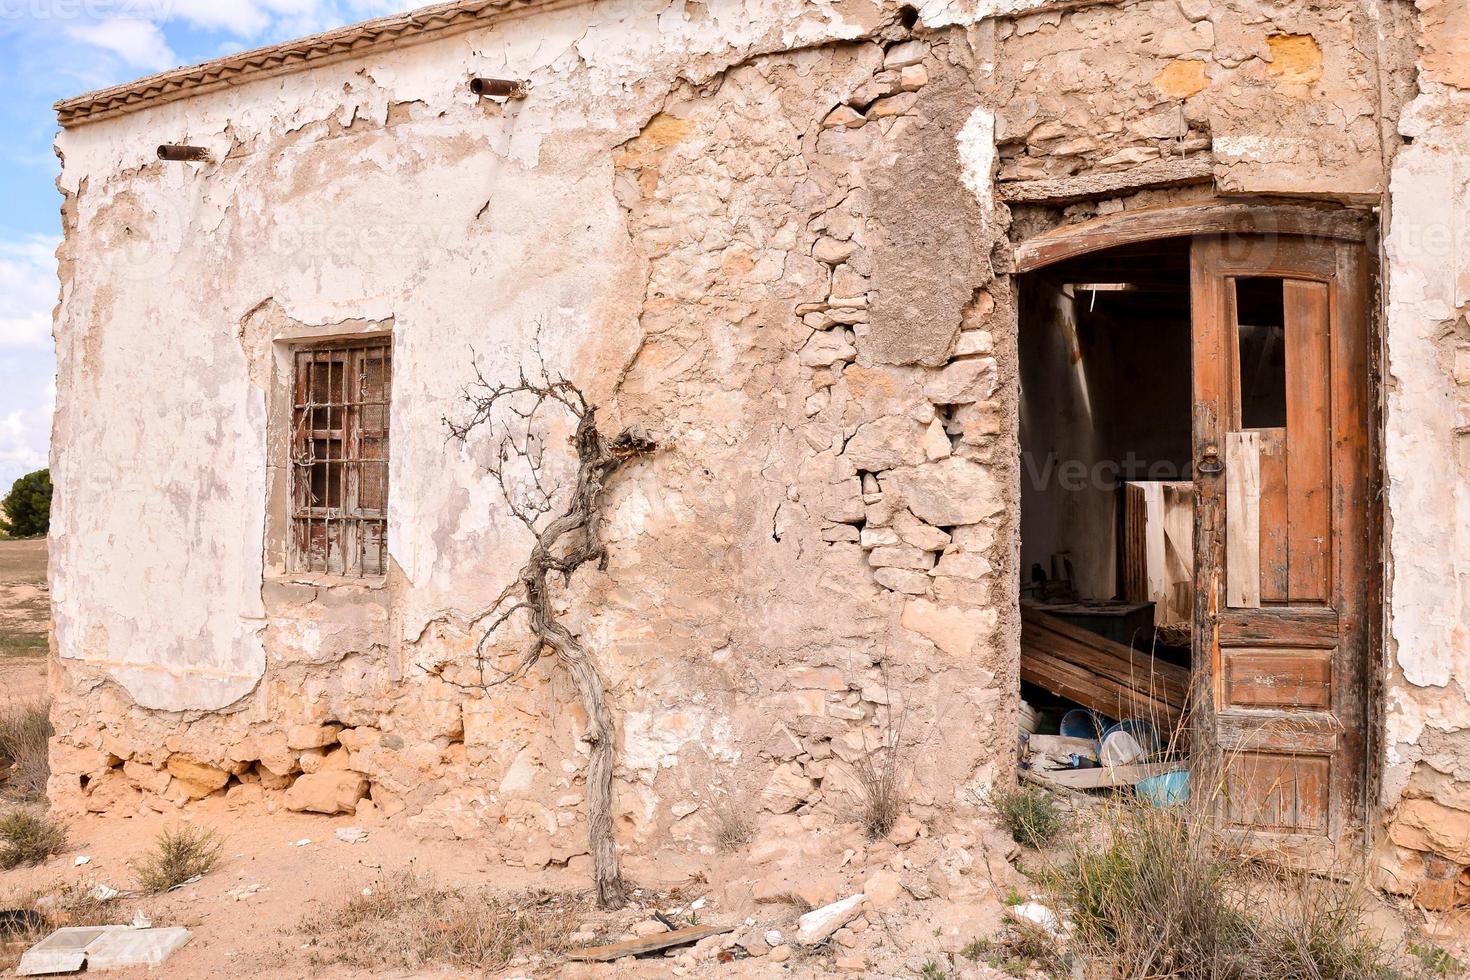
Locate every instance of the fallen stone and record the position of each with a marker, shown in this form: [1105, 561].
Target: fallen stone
[351, 835]
[818, 925]
[648, 927]
[883, 889]
[326, 792]
[905, 830]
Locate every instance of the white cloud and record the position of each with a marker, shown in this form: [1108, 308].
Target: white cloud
[28, 290]
[140, 43]
[135, 31]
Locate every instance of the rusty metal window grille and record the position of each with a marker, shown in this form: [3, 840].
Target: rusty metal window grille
[339, 458]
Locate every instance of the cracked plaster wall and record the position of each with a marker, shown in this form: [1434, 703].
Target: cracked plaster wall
[767, 232]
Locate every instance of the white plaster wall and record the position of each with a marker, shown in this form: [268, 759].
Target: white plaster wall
[1428, 439]
[469, 225]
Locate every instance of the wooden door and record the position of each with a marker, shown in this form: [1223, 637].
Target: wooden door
[1283, 539]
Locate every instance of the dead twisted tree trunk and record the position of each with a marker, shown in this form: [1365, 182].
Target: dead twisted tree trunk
[567, 530]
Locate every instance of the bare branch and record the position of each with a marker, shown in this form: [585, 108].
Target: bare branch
[566, 525]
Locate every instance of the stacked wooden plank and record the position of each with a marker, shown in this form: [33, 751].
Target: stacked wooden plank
[1158, 549]
[1099, 674]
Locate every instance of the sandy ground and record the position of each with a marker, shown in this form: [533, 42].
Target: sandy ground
[25, 620]
[246, 914]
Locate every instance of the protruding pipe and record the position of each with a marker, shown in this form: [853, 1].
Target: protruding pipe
[498, 88]
[178, 151]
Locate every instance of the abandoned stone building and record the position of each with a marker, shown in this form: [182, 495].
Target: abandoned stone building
[912, 299]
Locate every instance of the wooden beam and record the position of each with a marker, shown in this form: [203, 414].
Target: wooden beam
[1104, 777]
[1102, 675]
[1168, 172]
[1218, 217]
[648, 944]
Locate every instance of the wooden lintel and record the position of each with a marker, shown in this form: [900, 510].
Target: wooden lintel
[1216, 217]
[1168, 172]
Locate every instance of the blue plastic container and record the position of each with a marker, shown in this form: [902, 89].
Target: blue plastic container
[1081, 723]
[1165, 789]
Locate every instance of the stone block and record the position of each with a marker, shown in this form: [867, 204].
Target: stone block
[962, 382]
[950, 492]
[818, 679]
[1425, 825]
[197, 779]
[901, 556]
[833, 251]
[974, 342]
[827, 348]
[843, 117]
[903, 580]
[787, 790]
[953, 629]
[327, 792]
[905, 53]
[311, 736]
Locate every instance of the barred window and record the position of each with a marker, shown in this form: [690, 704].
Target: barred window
[339, 458]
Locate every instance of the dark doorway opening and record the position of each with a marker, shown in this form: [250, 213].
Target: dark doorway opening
[1106, 495]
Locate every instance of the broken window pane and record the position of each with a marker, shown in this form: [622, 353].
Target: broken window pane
[1260, 315]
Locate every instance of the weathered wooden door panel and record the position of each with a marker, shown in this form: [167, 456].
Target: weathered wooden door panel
[1283, 542]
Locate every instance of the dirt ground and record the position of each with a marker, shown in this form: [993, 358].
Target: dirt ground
[246, 913]
[25, 620]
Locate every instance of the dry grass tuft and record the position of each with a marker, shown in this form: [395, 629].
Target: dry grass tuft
[177, 856]
[408, 922]
[1030, 813]
[25, 729]
[879, 780]
[29, 837]
[1164, 896]
[731, 822]
[1023, 949]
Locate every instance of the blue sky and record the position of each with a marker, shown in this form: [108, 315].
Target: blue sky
[54, 49]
